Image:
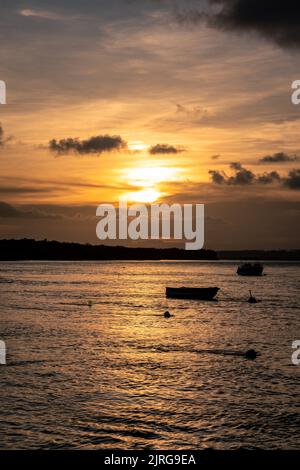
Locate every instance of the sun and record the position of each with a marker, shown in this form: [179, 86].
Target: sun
[144, 196]
[149, 178]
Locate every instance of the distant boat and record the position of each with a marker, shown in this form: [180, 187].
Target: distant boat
[250, 269]
[198, 293]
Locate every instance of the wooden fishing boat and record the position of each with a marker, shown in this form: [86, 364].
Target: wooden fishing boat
[197, 293]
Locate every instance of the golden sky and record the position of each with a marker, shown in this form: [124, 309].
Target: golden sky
[186, 98]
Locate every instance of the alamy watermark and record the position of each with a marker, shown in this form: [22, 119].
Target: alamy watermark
[296, 93]
[2, 92]
[154, 222]
[296, 354]
[2, 353]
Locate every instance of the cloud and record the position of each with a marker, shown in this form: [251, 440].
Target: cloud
[7, 211]
[22, 190]
[268, 178]
[243, 176]
[95, 145]
[197, 112]
[293, 180]
[3, 140]
[275, 20]
[236, 166]
[48, 15]
[165, 149]
[218, 177]
[279, 157]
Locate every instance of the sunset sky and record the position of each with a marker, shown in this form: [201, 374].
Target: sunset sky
[174, 101]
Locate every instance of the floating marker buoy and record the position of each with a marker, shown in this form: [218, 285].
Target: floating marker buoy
[252, 300]
[167, 314]
[251, 354]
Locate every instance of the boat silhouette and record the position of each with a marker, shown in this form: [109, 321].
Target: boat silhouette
[250, 269]
[197, 293]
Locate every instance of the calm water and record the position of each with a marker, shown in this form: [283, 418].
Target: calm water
[119, 375]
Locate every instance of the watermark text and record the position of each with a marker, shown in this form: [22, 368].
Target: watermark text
[154, 222]
[296, 93]
[296, 354]
[2, 353]
[2, 92]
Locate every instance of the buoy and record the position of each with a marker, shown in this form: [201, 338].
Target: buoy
[167, 314]
[252, 300]
[251, 354]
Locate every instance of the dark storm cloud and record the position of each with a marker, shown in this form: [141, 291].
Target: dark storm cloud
[243, 176]
[95, 145]
[293, 180]
[276, 20]
[279, 157]
[165, 149]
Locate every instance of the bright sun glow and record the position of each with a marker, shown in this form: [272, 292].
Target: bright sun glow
[146, 195]
[147, 177]
[137, 146]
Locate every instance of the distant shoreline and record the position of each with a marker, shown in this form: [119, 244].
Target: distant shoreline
[259, 255]
[44, 250]
[27, 249]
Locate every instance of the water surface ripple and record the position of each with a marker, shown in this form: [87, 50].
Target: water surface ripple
[119, 375]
